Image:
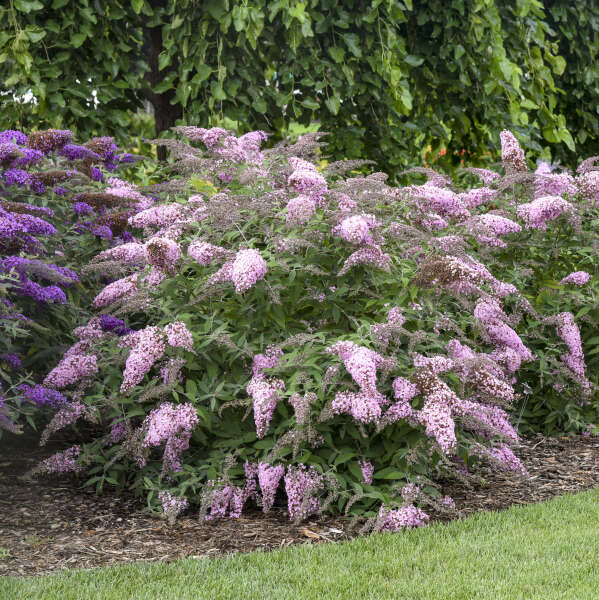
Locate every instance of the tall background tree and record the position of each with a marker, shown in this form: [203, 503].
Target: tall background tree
[387, 78]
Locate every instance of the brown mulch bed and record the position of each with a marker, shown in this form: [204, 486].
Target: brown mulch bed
[51, 524]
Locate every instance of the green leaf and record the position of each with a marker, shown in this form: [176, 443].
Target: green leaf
[164, 60]
[202, 73]
[559, 65]
[344, 457]
[458, 51]
[59, 4]
[414, 61]
[526, 103]
[218, 93]
[259, 105]
[337, 54]
[36, 35]
[310, 103]
[77, 39]
[137, 5]
[191, 388]
[389, 473]
[177, 22]
[352, 41]
[57, 99]
[549, 135]
[333, 104]
[567, 138]
[28, 6]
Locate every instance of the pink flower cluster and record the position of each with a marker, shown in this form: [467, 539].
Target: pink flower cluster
[362, 364]
[301, 406]
[574, 359]
[401, 518]
[149, 346]
[487, 421]
[478, 196]
[436, 364]
[178, 336]
[265, 393]
[205, 253]
[66, 416]
[368, 255]
[62, 462]
[300, 209]
[116, 434]
[403, 389]
[163, 253]
[172, 506]
[301, 486]
[229, 498]
[126, 287]
[71, 369]
[492, 319]
[433, 222]
[496, 226]
[345, 203]
[410, 492]
[305, 179]
[158, 216]
[512, 155]
[130, 253]
[384, 331]
[506, 459]
[248, 268]
[269, 478]
[553, 184]
[356, 229]
[173, 425]
[121, 288]
[367, 469]
[246, 148]
[438, 200]
[436, 416]
[129, 193]
[578, 278]
[588, 184]
[485, 175]
[269, 360]
[244, 270]
[539, 211]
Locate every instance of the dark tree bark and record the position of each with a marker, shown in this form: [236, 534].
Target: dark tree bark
[165, 113]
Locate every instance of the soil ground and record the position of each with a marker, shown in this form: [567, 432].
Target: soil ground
[51, 524]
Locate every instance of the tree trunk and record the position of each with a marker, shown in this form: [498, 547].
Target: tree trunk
[165, 113]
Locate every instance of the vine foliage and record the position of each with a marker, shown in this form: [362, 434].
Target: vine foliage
[388, 77]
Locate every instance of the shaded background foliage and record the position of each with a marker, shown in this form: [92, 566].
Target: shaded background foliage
[388, 77]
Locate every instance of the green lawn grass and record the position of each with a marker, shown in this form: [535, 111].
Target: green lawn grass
[542, 551]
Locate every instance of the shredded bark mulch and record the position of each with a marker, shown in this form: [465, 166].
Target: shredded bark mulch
[53, 524]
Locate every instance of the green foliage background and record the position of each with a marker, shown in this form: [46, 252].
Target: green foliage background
[388, 77]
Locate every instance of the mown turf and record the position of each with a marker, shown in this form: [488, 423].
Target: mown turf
[544, 551]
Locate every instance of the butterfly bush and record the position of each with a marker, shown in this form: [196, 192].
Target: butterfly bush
[281, 332]
[47, 238]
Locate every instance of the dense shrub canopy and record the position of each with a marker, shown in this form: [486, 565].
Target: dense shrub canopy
[279, 323]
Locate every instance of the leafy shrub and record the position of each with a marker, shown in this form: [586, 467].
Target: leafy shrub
[292, 328]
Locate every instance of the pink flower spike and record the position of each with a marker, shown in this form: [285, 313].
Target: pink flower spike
[578, 278]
